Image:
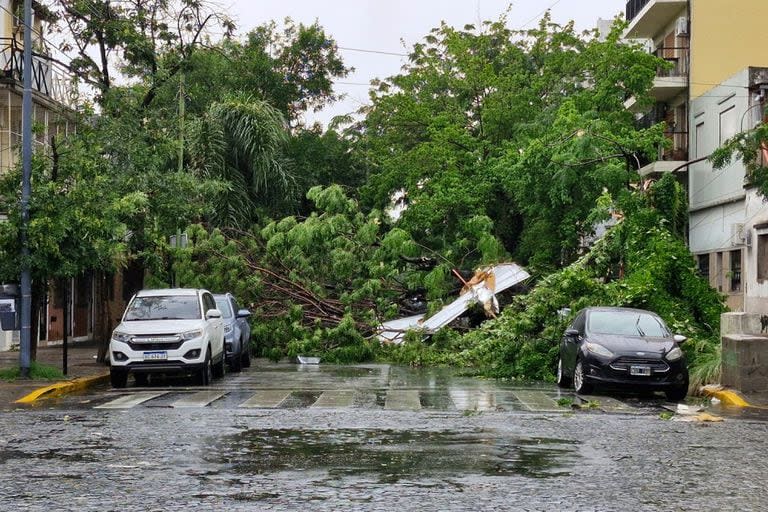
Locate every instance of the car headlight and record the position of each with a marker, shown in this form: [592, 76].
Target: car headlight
[121, 336]
[190, 335]
[227, 328]
[674, 354]
[598, 349]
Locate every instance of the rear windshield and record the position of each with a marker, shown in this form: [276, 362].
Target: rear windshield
[222, 304]
[172, 307]
[627, 323]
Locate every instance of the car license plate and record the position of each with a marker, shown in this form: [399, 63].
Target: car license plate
[640, 370]
[159, 355]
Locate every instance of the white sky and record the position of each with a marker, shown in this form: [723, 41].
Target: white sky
[395, 25]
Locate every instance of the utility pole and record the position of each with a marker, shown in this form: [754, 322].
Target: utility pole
[25, 349]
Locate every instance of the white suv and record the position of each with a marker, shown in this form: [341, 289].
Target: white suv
[176, 330]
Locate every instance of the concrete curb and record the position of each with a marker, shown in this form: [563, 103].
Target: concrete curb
[62, 388]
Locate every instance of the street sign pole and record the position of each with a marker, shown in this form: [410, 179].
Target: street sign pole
[25, 349]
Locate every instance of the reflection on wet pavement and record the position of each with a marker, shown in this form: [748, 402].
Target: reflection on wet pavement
[391, 455]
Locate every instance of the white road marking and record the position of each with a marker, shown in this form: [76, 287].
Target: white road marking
[402, 400]
[129, 401]
[336, 398]
[267, 398]
[199, 399]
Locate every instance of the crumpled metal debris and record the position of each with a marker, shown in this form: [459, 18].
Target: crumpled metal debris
[481, 288]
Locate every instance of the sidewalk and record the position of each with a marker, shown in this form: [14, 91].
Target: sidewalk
[81, 362]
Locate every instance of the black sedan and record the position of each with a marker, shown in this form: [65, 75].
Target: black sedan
[623, 348]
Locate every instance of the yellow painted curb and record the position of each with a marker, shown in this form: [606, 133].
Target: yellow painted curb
[62, 388]
[726, 396]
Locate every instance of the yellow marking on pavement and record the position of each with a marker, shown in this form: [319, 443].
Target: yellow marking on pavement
[268, 398]
[62, 388]
[129, 401]
[200, 399]
[336, 398]
[402, 400]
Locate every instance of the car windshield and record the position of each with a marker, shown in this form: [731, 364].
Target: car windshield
[627, 323]
[222, 304]
[171, 307]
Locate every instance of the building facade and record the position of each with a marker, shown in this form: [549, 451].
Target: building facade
[53, 101]
[712, 89]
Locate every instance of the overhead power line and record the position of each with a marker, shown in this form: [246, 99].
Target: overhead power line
[379, 52]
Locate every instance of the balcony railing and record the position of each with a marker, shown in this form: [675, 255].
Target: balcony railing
[678, 56]
[678, 151]
[48, 77]
[634, 7]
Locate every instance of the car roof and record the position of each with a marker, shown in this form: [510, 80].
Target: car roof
[168, 291]
[618, 309]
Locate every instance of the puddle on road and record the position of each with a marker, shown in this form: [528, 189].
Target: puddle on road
[394, 455]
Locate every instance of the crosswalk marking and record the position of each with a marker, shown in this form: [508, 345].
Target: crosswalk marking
[536, 401]
[608, 404]
[128, 401]
[336, 398]
[200, 399]
[477, 399]
[472, 399]
[267, 398]
[402, 400]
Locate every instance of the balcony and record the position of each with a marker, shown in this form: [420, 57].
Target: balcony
[649, 17]
[48, 78]
[673, 154]
[671, 80]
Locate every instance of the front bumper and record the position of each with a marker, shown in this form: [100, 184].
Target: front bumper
[177, 359]
[615, 373]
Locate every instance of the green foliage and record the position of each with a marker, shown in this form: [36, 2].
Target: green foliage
[525, 129]
[37, 371]
[638, 263]
[318, 285]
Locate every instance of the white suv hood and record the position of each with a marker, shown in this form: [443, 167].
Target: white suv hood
[139, 327]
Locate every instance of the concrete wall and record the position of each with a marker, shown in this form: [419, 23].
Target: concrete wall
[745, 351]
[725, 37]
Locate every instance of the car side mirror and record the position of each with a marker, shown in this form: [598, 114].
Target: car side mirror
[212, 313]
[571, 333]
[679, 338]
[243, 313]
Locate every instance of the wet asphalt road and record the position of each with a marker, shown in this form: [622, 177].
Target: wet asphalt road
[284, 437]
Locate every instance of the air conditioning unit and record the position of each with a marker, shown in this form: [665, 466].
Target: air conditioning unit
[681, 26]
[738, 234]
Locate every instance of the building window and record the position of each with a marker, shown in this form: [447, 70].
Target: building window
[719, 271]
[735, 272]
[728, 125]
[704, 266]
[762, 256]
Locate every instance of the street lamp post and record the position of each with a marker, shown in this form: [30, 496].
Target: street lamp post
[25, 342]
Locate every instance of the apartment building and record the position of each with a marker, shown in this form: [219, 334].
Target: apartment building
[53, 101]
[713, 87]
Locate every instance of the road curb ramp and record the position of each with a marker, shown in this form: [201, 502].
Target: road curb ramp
[62, 388]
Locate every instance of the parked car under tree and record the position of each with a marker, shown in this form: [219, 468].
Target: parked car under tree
[237, 332]
[626, 348]
[165, 331]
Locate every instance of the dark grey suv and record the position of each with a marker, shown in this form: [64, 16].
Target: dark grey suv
[237, 332]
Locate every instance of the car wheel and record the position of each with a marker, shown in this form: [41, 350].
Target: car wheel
[142, 379]
[562, 380]
[220, 368]
[118, 378]
[237, 362]
[205, 377]
[246, 355]
[579, 380]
